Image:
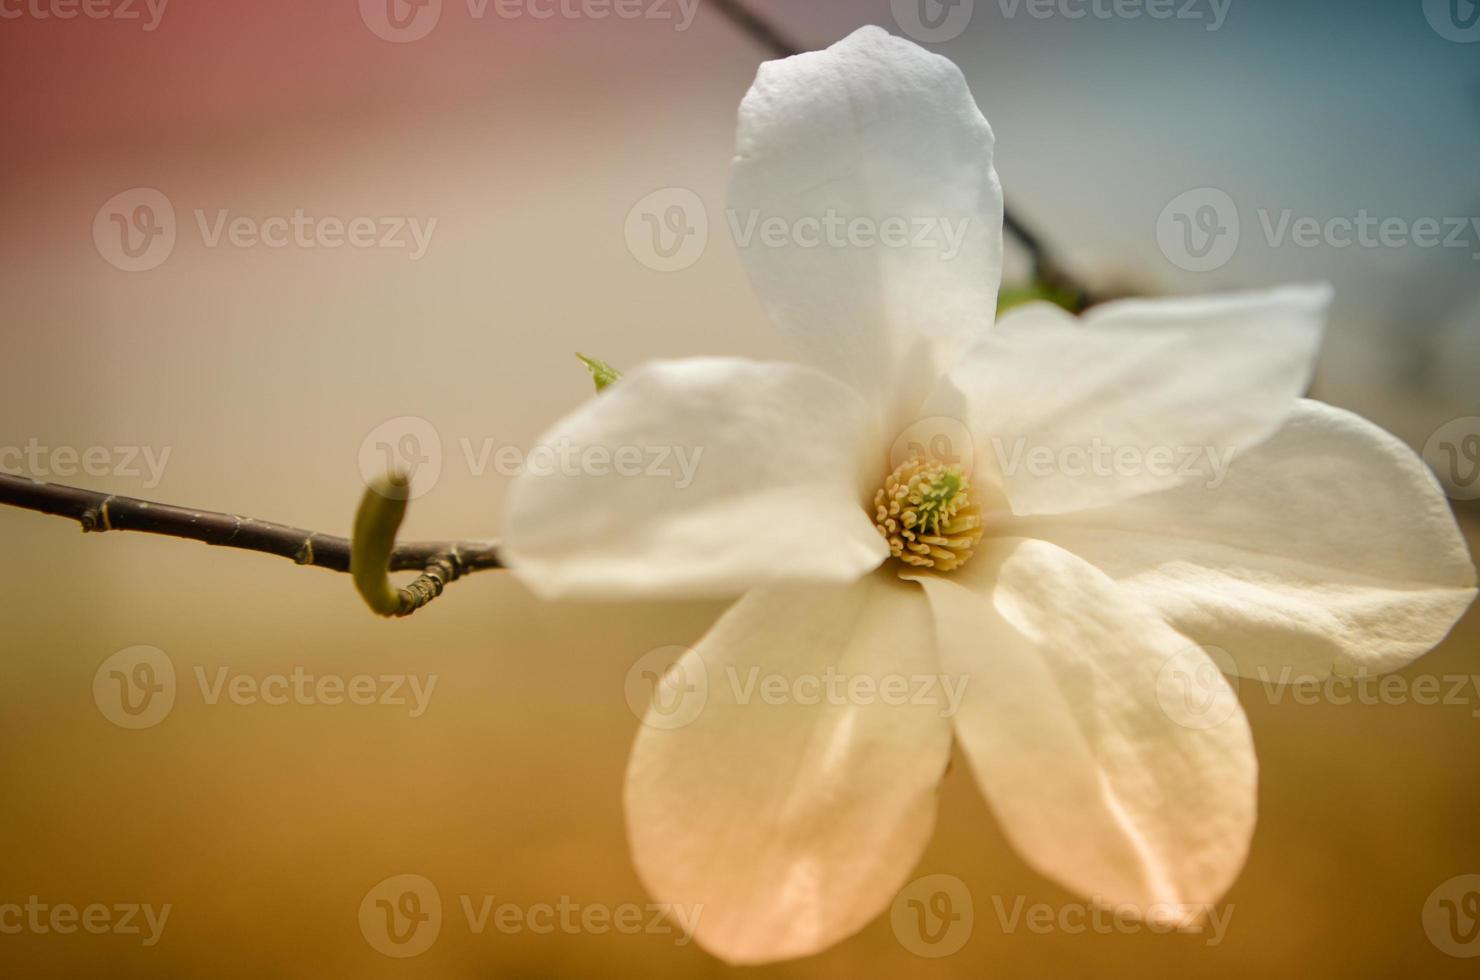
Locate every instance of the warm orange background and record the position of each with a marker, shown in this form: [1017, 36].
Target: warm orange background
[263, 370]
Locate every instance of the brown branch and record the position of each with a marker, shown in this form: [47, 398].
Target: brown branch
[1046, 269]
[751, 23]
[439, 561]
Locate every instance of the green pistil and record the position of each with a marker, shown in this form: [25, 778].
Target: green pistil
[938, 501]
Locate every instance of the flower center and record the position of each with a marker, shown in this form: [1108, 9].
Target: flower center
[926, 513]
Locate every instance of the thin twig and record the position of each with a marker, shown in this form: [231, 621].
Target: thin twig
[110, 512]
[1046, 269]
[751, 23]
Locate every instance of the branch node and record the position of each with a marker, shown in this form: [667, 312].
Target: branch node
[441, 570]
[97, 518]
[437, 562]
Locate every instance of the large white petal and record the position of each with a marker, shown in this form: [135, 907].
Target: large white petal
[1101, 778]
[699, 478]
[792, 824]
[1328, 549]
[1080, 413]
[872, 129]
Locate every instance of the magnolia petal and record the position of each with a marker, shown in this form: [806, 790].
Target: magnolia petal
[1328, 549]
[699, 478]
[874, 130]
[1070, 732]
[1081, 413]
[792, 824]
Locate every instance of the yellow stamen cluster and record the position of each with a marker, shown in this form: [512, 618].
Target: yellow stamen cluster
[926, 513]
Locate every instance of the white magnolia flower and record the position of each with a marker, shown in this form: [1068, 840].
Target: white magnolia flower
[1325, 547]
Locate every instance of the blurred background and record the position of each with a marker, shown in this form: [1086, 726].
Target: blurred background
[252, 376]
